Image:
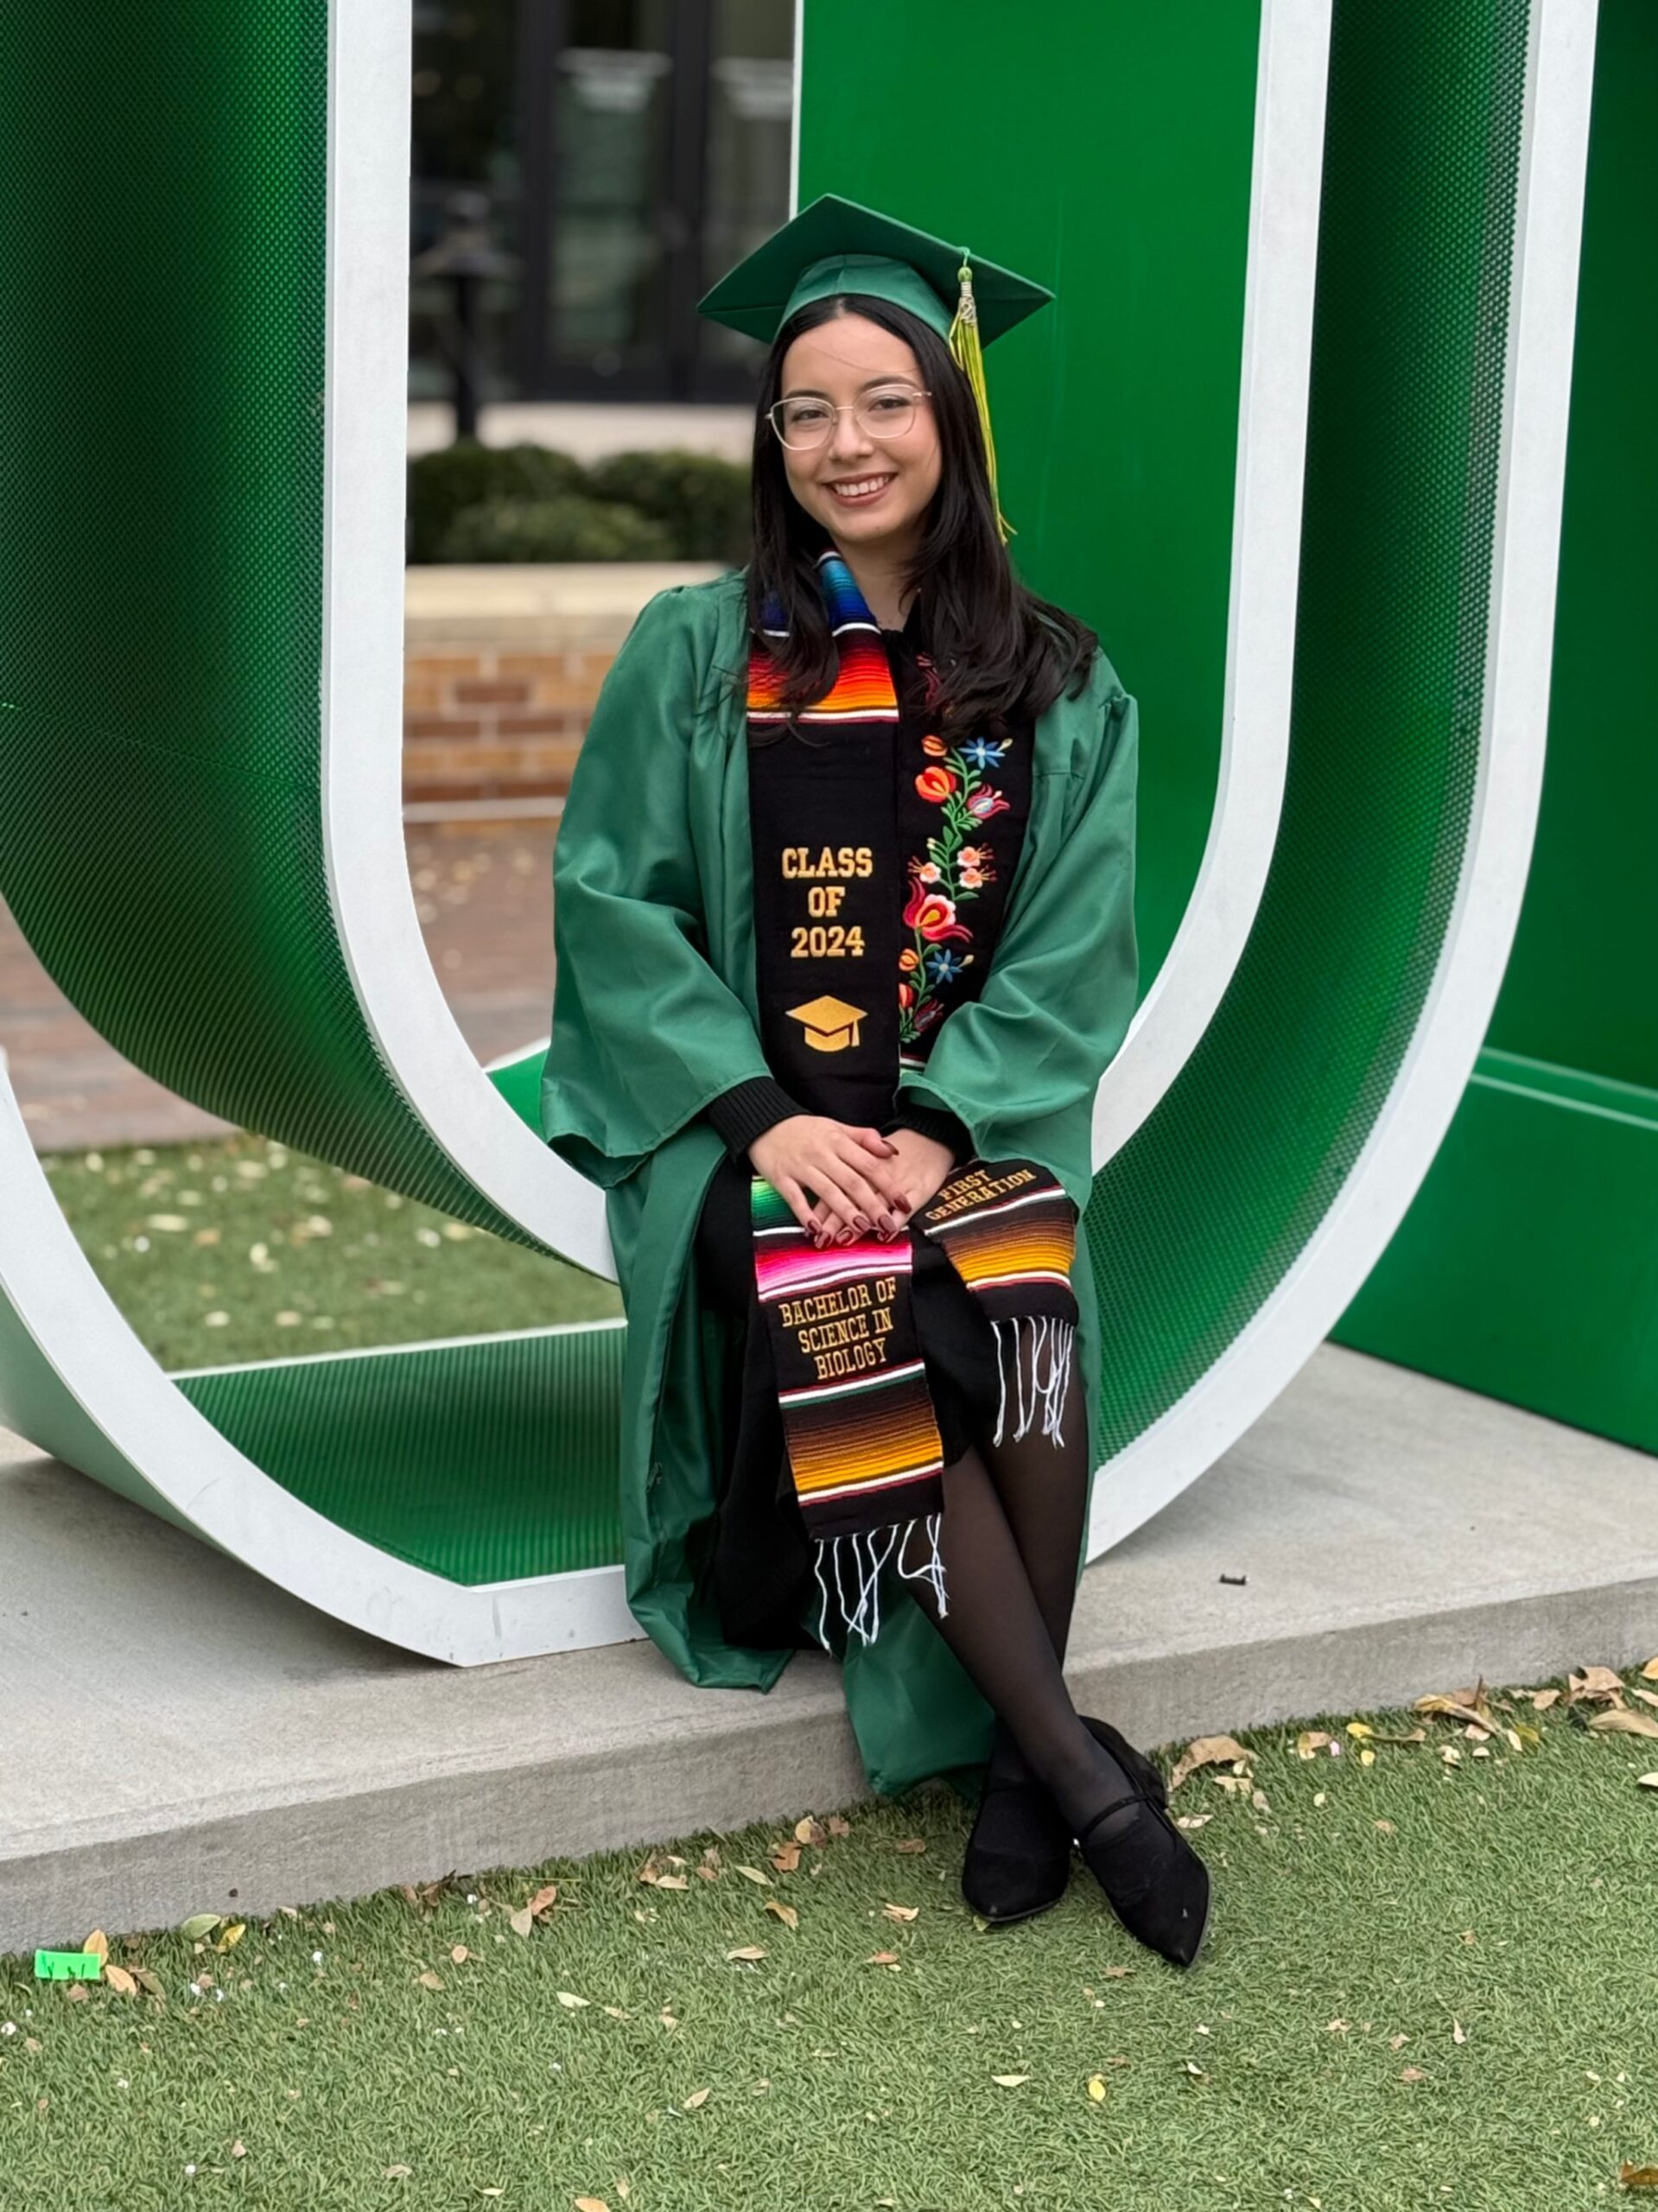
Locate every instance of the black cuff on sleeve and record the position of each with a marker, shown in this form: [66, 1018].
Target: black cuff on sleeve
[935, 1121]
[747, 1110]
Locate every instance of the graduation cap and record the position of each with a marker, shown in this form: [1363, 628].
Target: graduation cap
[836, 246]
[831, 1025]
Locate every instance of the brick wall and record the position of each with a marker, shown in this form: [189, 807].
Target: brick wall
[502, 666]
[491, 725]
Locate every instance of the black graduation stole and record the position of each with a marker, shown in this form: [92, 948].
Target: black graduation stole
[845, 1002]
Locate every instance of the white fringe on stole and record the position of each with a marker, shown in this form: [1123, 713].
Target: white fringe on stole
[1048, 1333]
[862, 1555]
[1041, 1380]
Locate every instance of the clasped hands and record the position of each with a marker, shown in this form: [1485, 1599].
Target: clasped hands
[843, 1178]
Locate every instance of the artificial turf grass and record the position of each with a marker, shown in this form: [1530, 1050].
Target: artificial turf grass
[1512, 1898]
[352, 1264]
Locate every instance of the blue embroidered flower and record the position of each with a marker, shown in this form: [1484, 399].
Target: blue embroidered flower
[982, 753]
[942, 963]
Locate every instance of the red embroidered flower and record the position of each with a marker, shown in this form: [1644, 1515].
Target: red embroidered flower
[937, 783]
[933, 915]
[934, 747]
[985, 802]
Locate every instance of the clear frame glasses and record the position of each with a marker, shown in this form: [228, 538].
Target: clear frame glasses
[805, 422]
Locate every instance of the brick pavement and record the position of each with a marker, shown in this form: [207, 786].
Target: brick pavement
[484, 895]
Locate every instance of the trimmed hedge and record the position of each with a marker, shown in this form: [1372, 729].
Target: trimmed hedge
[525, 502]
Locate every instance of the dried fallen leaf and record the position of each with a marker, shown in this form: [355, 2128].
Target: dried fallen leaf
[1414, 2074]
[198, 1925]
[1458, 2033]
[1009, 2081]
[1310, 1741]
[429, 1979]
[811, 1831]
[838, 1827]
[786, 1858]
[569, 1999]
[1647, 1697]
[1637, 2176]
[1648, 1781]
[1542, 1700]
[785, 1913]
[697, 2099]
[901, 1912]
[882, 1959]
[753, 1874]
[543, 1899]
[748, 1951]
[1454, 1709]
[1593, 1681]
[1207, 1750]
[232, 1936]
[1649, 1672]
[1619, 1720]
[912, 1845]
[591, 2204]
[673, 1881]
[459, 1955]
[521, 1921]
[120, 1980]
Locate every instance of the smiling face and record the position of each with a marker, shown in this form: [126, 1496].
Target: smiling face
[842, 361]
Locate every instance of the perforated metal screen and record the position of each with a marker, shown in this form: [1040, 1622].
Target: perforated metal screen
[1199, 1218]
[162, 267]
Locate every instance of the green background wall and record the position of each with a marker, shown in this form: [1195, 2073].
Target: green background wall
[1116, 407]
[1527, 1267]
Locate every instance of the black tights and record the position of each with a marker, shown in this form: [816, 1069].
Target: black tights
[1009, 1538]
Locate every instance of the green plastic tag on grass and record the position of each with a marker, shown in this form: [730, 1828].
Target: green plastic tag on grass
[67, 1966]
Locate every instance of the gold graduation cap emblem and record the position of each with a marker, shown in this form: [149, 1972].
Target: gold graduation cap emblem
[831, 1025]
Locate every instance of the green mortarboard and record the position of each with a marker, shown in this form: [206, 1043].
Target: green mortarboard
[835, 246]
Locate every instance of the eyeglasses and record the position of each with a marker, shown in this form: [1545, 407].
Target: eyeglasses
[802, 423]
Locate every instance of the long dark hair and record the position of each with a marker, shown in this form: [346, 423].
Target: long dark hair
[1002, 655]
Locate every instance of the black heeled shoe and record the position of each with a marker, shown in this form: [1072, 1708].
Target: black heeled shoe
[1018, 1857]
[1155, 1881]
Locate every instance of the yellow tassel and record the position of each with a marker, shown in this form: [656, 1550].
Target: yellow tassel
[963, 343]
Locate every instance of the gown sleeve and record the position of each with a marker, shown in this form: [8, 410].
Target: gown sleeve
[1064, 981]
[645, 1033]
[748, 1109]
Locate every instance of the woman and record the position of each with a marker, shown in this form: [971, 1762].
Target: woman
[844, 921]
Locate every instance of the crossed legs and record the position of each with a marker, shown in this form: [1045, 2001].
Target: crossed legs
[1009, 1537]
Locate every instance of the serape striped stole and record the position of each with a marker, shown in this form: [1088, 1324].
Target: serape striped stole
[858, 1416]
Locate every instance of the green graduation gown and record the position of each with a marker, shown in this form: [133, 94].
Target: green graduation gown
[654, 1013]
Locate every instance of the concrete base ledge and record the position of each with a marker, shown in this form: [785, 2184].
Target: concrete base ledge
[179, 1736]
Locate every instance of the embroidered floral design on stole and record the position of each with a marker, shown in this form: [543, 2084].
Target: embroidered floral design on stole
[952, 872]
